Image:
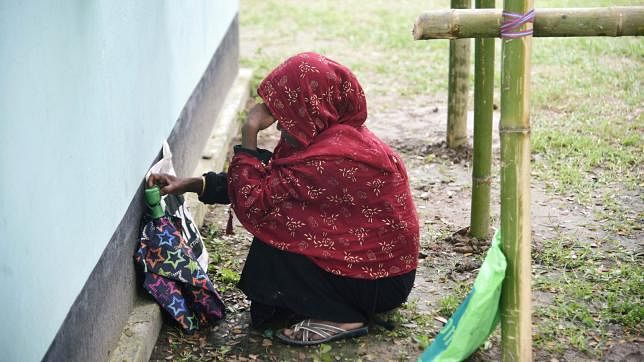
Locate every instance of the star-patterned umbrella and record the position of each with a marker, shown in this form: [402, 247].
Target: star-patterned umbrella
[172, 275]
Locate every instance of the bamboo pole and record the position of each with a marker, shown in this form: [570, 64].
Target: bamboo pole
[479, 23]
[458, 87]
[482, 148]
[516, 299]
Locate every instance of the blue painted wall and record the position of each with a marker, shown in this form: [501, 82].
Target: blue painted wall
[88, 92]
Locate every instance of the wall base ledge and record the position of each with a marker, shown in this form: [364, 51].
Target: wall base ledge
[141, 331]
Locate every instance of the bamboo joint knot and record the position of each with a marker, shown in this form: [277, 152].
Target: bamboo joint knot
[482, 180]
[504, 130]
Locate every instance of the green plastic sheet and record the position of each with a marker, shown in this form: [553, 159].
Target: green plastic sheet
[477, 316]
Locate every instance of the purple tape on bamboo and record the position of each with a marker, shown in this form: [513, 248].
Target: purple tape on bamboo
[514, 22]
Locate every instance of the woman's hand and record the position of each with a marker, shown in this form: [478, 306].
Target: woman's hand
[259, 118]
[175, 185]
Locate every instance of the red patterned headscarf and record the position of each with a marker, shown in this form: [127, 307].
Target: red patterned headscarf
[308, 93]
[343, 198]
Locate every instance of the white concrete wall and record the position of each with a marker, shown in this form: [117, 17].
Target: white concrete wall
[88, 92]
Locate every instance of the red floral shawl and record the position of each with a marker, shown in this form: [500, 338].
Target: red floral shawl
[343, 199]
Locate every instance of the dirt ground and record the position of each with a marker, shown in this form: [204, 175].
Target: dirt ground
[440, 180]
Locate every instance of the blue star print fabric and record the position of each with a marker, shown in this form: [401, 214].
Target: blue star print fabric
[174, 278]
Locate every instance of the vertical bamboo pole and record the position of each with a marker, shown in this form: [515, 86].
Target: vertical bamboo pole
[514, 131]
[459, 72]
[482, 148]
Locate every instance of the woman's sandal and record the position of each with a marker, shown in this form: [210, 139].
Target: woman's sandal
[328, 332]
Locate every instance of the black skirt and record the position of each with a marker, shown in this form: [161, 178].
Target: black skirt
[278, 281]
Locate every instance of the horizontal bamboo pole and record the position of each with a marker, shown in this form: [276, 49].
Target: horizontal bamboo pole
[485, 23]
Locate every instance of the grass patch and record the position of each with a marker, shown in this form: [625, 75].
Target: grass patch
[226, 279]
[448, 304]
[592, 291]
[563, 253]
[222, 265]
[587, 122]
[374, 41]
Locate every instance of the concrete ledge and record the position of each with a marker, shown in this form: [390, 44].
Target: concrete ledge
[141, 331]
[139, 334]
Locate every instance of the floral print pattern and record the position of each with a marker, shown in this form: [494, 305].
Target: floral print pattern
[343, 199]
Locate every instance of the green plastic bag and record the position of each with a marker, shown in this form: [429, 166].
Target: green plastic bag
[478, 315]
